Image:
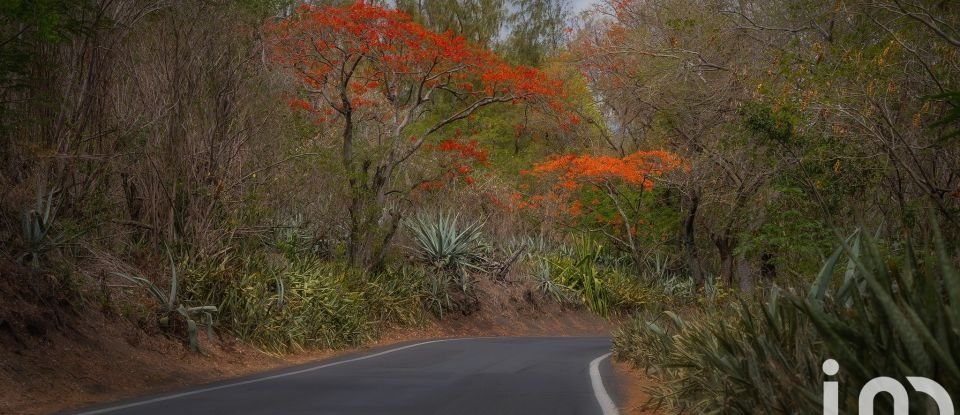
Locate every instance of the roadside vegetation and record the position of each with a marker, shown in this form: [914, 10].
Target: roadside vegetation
[748, 187]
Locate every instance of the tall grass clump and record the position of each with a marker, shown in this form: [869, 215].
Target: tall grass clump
[881, 315]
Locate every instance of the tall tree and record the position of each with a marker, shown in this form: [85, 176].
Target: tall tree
[536, 29]
[376, 74]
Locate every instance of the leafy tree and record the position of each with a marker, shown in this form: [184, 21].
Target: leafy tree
[622, 182]
[536, 30]
[377, 76]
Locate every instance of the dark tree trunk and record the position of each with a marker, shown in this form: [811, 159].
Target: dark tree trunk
[725, 246]
[744, 274]
[768, 269]
[689, 242]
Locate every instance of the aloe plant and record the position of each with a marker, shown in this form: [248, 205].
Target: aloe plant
[169, 304]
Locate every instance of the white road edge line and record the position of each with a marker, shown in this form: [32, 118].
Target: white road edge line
[606, 404]
[279, 375]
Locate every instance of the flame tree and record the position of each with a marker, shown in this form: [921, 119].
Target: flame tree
[621, 181]
[389, 85]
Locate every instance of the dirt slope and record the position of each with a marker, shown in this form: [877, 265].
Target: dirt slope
[55, 355]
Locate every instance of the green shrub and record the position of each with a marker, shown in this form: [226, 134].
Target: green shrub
[591, 276]
[888, 316]
[437, 293]
[308, 303]
[547, 285]
[628, 293]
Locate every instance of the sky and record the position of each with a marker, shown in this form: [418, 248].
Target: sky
[576, 6]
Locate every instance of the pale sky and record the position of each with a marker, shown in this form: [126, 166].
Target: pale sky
[577, 6]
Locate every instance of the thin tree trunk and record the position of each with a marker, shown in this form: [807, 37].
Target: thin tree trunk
[725, 246]
[689, 241]
[744, 274]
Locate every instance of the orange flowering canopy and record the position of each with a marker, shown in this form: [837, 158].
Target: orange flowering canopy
[365, 57]
[637, 169]
[583, 184]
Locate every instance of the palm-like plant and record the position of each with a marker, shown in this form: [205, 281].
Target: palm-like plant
[447, 244]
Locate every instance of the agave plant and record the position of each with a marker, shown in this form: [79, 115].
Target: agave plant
[169, 304]
[892, 316]
[437, 298]
[530, 246]
[582, 274]
[36, 228]
[547, 285]
[447, 244]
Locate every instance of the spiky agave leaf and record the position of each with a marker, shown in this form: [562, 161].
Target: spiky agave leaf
[151, 288]
[442, 240]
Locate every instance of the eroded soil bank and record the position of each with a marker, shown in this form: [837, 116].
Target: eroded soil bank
[56, 357]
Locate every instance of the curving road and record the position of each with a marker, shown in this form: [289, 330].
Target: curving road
[489, 376]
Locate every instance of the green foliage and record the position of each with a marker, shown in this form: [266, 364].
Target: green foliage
[170, 304]
[583, 275]
[605, 282]
[437, 293]
[893, 317]
[774, 125]
[535, 30]
[745, 361]
[524, 31]
[447, 245]
[293, 239]
[479, 21]
[285, 306]
[27, 24]
[886, 316]
[547, 285]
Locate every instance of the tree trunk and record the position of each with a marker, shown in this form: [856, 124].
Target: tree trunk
[768, 268]
[370, 238]
[725, 246]
[689, 242]
[744, 274]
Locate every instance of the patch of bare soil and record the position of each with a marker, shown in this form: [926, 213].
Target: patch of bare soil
[633, 385]
[55, 355]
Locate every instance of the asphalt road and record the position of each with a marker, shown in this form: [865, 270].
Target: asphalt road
[489, 376]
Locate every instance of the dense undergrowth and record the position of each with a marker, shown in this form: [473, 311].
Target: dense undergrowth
[306, 303]
[893, 312]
